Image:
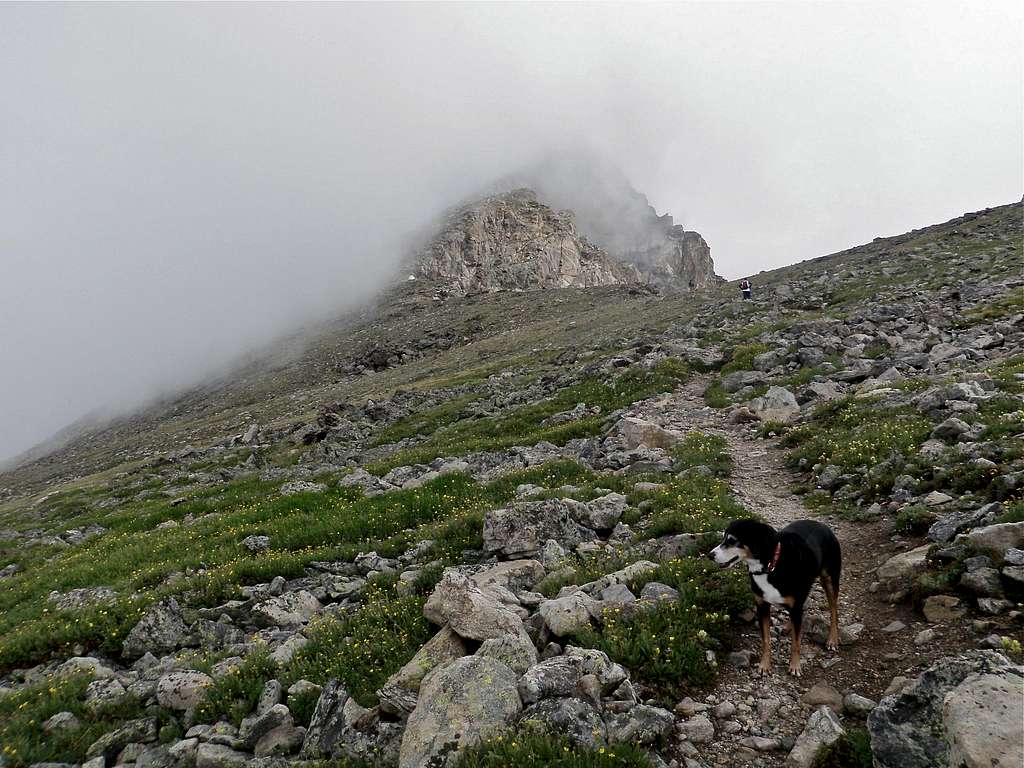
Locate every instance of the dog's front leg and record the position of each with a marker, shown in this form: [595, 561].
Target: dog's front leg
[796, 618]
[764, 617]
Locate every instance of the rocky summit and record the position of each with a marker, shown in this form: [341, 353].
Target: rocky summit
[467, 526]
[512, 241]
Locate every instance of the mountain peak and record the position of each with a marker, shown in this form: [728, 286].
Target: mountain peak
[512, 240]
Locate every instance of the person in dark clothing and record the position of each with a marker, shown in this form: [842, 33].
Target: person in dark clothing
[745, 288]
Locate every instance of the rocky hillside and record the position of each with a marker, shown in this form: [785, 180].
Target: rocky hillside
[468, 530]
[512, 241]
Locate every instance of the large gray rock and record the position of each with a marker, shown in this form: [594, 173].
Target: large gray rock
[522, 529]
[182, 689]
[571, 717]
[398, 695]
[568, 615]
[601, 514]
[995, 540]
[161, 630]
[554, 677]
[290, 610]
[255, 727]
[142, 731]
[341, 728]
[472, 613]
[220, 756]
[460, 705]
[512, 241]
[517, 652]
[778, 404]
[897, 574]
[513, 575]
[965, 710]
[822, 729]
[641, 724]
[635, 432]
[983, 718]
[945, 528]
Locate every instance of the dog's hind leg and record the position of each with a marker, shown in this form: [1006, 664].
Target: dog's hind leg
[764, 617]
[796, 618]
[832, 593]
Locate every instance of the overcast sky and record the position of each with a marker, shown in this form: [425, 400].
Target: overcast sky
[179, 183]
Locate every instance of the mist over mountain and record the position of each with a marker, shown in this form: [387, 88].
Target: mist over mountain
[183, 184]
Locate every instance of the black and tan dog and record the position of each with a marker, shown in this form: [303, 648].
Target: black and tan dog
[783, 566]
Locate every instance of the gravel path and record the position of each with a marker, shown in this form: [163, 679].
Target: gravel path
[772, 708]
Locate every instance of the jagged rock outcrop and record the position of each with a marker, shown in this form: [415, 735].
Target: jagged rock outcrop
[513, 241]
[673, 257]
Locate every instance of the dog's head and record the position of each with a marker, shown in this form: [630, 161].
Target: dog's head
[744, 540]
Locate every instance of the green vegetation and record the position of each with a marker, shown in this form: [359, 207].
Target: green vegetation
[741, 357]
[855, 434]
[23, 741]
[363, 650]
[136, 558]
[234, 695]
[540, 750]
[524, 426]
[698, 449]
[692, 503]
[1014, 513]
[914, 519]
[851, 750]
[715, 396]
[665, 647]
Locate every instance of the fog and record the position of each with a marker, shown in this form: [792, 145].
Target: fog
[179, 183]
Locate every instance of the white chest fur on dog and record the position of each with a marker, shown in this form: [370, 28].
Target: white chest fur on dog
[769, 592]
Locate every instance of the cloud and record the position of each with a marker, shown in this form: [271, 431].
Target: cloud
[182, 182]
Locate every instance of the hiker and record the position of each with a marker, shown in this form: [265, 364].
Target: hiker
[745, 288]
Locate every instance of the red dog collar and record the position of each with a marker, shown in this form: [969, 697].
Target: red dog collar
[775, 558]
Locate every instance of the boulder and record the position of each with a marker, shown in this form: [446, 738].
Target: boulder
[182, 690]
[517, 652]
[255, 727]
[398, 695]
[778, 404]
[514, 575]
[161, 630]
[964, 710]
[943, 608]
[110, 744]
[639, 432]
[641, 724]
[601, 514]
[210, 755]
[573, 718]
[983, 720]
[698, 729]
[472, 613]
[285, 739]
[460, 705]
[897, 574]
[995, 540]
[290, 610]
[822, 729]
[554, 677]
[327, 722]
[568, 615]
[522, 529]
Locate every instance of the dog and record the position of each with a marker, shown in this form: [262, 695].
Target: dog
[783, 566]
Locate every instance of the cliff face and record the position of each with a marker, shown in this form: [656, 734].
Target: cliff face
[512, 241]
[676, 258]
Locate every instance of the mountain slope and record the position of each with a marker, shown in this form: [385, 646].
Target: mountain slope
[560, 452]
